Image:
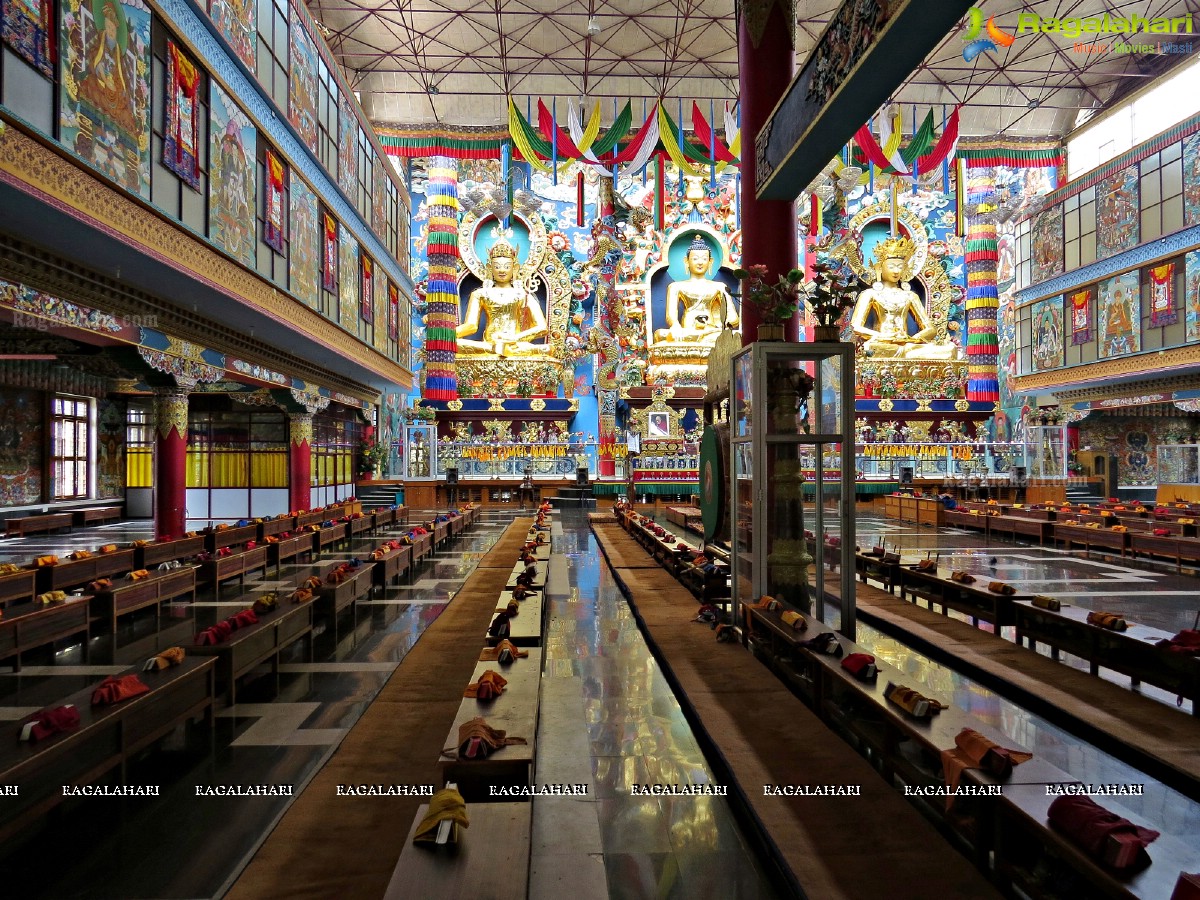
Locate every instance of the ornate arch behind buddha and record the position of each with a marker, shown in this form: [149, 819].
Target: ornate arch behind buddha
[514, 304]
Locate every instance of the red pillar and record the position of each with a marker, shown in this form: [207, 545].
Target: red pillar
[170, 483]
[300, 461]
[765, 64]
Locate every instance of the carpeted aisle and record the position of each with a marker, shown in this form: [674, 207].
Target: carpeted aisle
[330, 846]
[873, 845]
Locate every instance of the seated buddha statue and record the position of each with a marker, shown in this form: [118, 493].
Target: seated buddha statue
[893, 302]
[515, 318]
[699, 308]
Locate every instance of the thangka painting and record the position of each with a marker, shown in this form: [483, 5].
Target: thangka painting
[1080, 311]
[181, 139]
[1119, 308]
[381, 301]
[304, 263]
[366, 293]
[232, 224]
[302, 83]
[347, 174]
[1047, 320]
[1162, 296]
[237, 20]
[393, 312]
[105, 112]
[379, 183]
[1046, 241]
[274, 214]
[1191, 295]
[1191, 179]
[348, 278]
[28, 25]
[1117, 219]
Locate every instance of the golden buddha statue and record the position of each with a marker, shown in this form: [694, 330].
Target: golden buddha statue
[515, 318]
[698, 309]
[893, 301]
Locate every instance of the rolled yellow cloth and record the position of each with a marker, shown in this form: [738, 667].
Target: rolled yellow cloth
[445, 804]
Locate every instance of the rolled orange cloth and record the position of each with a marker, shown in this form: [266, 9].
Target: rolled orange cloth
[478, 740]
[138, 575]
[999, 587]
[1111, 621]
[974, 751]
[490, 685]
[172, 656]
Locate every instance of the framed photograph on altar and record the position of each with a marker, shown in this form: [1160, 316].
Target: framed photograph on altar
[658, 424]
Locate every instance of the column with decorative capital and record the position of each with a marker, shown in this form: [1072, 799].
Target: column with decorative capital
[300, 428]
[765, 66]
[170, 483]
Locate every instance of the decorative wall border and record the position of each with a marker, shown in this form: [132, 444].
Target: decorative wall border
[1184, 357]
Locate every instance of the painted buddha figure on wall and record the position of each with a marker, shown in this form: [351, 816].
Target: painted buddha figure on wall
[900, 327]
[515, 324]
[699, 308]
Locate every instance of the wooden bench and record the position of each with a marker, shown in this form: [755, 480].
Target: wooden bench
[1029, 512]
[229, 537]
[974, 600]
[331, 535]
[394, 563]
[525, 628]
[1130, 652]
[1104, 538]
[961, 518]
[289, 548]
[539, 578]
[1178, 548]
[361, 525]
[255, 644]
[95, 514]
[333, 599]
[516, 712]
[153, 555]
[18, 587]
[69, 573]
[422, 546]
[1038, 529]
[883, 570]
[491, 859]
[125, 597]
[441, 534]
[384, 516]
[32, 524]
[314, 517]
[27, 626]
[236, 565]
[107, 736]
[275, 526]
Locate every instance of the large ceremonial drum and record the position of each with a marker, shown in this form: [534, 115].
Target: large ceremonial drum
[714, 449]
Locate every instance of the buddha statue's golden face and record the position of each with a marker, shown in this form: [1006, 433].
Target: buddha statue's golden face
[502, 269]
[892, 269]
[698, 263]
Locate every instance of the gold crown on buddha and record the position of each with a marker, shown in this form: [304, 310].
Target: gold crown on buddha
[502, 247]
[895, 248]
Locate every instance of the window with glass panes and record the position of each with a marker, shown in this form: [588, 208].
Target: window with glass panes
[69, 446]
[273, 50]
[365, 174]
[139, 448]
[327, 117]
[237, 449]
[335, 438]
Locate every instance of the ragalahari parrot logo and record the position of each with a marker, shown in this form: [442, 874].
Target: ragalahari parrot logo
[996, 37]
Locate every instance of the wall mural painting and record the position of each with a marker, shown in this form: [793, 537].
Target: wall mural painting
[105, 106]
[302, 83]
[28, 26]
[379, 196]
[1082, 318]
[1162, 296]
[237, 20]
[21, 443]
[348, 280]
[232, 189]
[1191, 295]
[380, 315]
[1047, 317]
[1119, 311]
[1046, 241]
[1191, 179]
[304, 263]
[1134, 440]
[1117, 218]
[110, 447]
[347, 174]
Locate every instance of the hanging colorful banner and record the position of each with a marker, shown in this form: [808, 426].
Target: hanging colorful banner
[274, 222]
[366, 294]
[304, 256]
[302, 83]
[29, 31]
[180, 152]
[104, 110]
[1081, 317]
[1162, 296]
[393, 316]
[231, 191]
[329, 255]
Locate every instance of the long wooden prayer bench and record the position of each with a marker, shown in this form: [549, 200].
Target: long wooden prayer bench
[229, 537]
[275, 527]
[974, 600]
[33, 524]
[95, 514]
[69, 573]
[236, 565]
[391, 566]
[333, 599]
[290, 547]
[106, 738]
[1091, 538]
[29, 625]
[1040, 530]
[314, 517]
[331, 535]
[124, 596]
[525, 628]
[18, 586]
[360, 525]
[1180, 549]
[516, 712]
[153, 555]
[252, 645]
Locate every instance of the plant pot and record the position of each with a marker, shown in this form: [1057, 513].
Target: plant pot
[770, 332]
[826, 333]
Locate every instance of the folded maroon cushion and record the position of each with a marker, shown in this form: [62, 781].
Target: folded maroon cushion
[49, 722]
[114, 690]
[1102, 834]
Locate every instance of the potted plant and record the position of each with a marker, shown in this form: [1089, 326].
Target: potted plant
[829, 296]
[371, 455]
[776, 303]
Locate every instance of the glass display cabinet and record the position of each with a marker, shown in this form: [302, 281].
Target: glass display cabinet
[420, 452]
[792, 509]
[1049, 452]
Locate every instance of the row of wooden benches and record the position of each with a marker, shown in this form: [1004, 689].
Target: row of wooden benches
[676, 556]
[500, 832]
[1009, 835]
[40, 522]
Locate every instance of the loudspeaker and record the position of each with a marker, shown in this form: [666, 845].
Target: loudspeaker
[1020, 476]
[452, 476]
[581, 477]
[906, 474]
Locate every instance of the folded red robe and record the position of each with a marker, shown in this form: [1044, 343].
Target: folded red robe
[1102, 834]
[49, 722]
[974, 751]
[114, 690]
[1186, 642]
